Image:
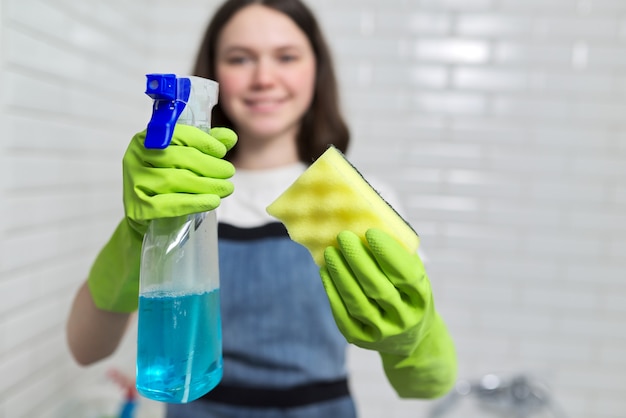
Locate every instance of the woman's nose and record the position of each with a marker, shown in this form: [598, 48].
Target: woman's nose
[264, 74]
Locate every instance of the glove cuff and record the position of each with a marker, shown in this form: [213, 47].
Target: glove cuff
[429, 371]
[113, 280]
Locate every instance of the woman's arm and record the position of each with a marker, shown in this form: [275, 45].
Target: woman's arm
[92, 333]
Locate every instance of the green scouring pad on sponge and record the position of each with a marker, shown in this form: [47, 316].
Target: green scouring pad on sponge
[331, 196]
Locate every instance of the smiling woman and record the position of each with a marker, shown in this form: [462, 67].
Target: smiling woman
[284, 331]
[266, 68]
[279, 41]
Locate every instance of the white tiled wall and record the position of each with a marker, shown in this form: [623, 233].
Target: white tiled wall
[500, 122]
[71, 85]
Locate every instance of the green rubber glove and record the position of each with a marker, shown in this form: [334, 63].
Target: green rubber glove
[381, 300]
[189, 176]
[430, 370]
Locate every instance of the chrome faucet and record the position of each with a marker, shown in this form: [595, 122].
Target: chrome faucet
[516, 397]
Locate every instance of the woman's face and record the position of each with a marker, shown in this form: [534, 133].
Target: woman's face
[265, 67]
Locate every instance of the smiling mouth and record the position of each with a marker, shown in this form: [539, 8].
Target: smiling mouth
[264, 105]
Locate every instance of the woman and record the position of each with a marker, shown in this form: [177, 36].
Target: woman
[284, 340]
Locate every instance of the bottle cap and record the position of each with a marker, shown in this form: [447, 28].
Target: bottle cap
[170, 95]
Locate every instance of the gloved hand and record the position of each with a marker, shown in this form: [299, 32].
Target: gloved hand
[189, 176]
[381, 300]
[379, 293]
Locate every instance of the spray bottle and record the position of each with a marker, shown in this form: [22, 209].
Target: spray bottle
[179, 342]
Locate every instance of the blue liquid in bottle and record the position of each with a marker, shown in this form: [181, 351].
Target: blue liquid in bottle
[179, 356]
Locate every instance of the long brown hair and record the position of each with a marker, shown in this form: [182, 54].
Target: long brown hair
[322, 124]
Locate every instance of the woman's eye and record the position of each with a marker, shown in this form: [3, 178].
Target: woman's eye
[237, 60]
[288, 58]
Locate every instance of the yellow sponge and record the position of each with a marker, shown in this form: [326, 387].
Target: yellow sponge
[332, 196]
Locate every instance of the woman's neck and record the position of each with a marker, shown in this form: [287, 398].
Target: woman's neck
[259, 154]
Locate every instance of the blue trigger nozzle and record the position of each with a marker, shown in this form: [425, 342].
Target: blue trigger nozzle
[170, 95]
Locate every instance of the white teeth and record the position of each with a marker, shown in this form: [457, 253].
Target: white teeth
[264, 104]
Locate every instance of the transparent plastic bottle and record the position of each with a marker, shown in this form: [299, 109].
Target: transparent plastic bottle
[179, 345]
